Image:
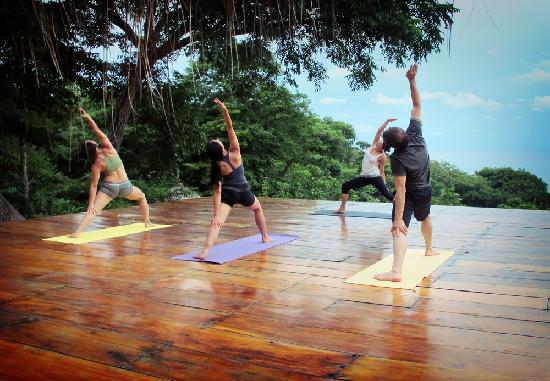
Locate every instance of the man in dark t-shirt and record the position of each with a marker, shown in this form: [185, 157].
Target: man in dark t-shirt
[410, 164]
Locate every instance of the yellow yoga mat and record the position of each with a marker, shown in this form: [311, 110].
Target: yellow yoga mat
[98, 235]
[415, 267]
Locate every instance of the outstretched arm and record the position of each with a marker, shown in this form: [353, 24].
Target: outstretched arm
[233, 141]
[381, 129]
[104, 140]
[96, 173]
[416, 112]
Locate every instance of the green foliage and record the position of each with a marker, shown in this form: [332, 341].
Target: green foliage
[517, 188]
[489, 187]
[287, 150]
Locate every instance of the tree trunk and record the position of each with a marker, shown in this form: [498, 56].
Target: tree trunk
[7, 211]
[123, 107]
[24, 173]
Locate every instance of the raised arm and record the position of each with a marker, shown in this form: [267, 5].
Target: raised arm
[416, 112]
[233, 141]
[381, 129]
[103, 139]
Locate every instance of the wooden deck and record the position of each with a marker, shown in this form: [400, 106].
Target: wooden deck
[121, 309]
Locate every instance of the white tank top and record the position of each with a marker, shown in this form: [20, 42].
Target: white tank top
[369, 167]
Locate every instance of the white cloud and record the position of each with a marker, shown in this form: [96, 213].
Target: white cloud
[332, 101]
[492, 52]
[518, 103]
[460, 100]
[541, 103]
[382, 99]
[536, 75]
[337, 72]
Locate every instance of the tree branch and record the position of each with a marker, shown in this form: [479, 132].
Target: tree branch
[169, 47]
[130, 33]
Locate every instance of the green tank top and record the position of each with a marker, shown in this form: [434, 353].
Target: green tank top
[112, 163]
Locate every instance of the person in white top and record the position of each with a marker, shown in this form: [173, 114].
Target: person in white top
[372, 172]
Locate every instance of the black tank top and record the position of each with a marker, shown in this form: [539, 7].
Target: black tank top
[235, 179]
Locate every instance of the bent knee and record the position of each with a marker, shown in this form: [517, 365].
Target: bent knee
[256, 207]
[140, 197]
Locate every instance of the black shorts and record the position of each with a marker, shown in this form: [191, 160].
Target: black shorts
[232, 196]
[417, 201]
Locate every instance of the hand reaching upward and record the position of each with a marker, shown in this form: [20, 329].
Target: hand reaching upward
[83, 113]
[220, 104]
[411, 73]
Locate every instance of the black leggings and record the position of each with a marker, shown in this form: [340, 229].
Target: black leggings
[361, 181]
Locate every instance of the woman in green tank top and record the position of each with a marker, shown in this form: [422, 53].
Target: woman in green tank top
[115, 181]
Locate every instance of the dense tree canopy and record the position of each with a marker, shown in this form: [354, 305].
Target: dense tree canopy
[49, 64]
[148, 33]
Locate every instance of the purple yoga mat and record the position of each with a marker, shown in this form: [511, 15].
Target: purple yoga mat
[239, 248]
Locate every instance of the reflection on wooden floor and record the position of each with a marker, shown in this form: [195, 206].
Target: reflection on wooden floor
[121, 309]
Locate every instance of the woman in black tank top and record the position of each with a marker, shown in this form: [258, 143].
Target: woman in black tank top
[230, 184]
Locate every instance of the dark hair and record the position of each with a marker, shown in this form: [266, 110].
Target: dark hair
[215, 153]
[88, 148]
[395, 137]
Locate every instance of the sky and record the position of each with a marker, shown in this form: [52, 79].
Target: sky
[486, 102]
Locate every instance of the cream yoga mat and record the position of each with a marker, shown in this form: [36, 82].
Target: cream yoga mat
[416, 267]
[98, 235]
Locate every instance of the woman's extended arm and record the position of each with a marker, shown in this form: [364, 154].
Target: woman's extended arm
[381, 129]
[233, 141]
[104, 140]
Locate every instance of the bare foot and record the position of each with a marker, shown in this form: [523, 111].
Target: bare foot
[74, 235]
[149, 224]
[201, 256]
[266, 239]
[340, 211]
[389, 276]
[432, 252]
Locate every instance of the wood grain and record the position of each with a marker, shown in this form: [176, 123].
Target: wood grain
[122, 309]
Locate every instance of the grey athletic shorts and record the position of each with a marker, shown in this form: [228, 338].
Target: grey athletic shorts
[113, 190]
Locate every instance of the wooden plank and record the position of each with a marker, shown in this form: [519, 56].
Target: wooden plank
[123, 350]
[24, 363]
[497, 289]
[369, 368]
[489, 299]
[356, 294]
[284, 314]
[396, 344]
[462, 337]
[481, 309]
[350, 310]
[503, 266]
